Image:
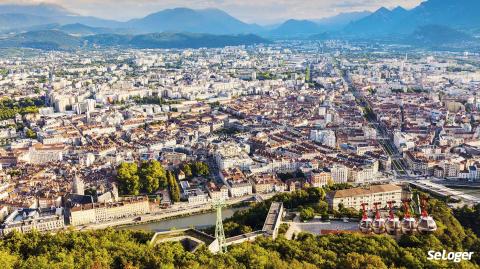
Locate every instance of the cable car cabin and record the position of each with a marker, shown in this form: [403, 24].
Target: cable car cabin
[426, 224]
[365, 224]
[378, 224]
[392, 225]
[409, 223]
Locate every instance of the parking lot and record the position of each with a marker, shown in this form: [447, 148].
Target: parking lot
[316, 226]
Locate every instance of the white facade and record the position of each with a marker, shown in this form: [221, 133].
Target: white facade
[324, 137]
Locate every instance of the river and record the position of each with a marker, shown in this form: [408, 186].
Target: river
[470, 191]
[198, 221]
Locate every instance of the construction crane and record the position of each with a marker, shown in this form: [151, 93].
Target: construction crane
[392, 225]
[365, 224]
[409, 223]
[219, 232]
[379, 222]
[426, 224]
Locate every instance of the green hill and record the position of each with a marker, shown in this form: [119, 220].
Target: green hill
[59, 40]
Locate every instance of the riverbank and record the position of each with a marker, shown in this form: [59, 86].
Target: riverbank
[176, 211]
[198, 221]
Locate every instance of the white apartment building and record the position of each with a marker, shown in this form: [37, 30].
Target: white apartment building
[230, 155]
[324, 137]
[240, 189]
[26, 220]
[42, 155]
[102, 212]
[403, 141]
[353, 198]
[339, 173]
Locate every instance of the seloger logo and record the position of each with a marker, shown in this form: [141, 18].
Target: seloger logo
[449, 256]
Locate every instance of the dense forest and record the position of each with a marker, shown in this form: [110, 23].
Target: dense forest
[130, 249]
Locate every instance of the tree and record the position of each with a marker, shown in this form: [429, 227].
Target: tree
[307, 214]
[363, 261]
[30, 134]
[173, 187]
[7, 260]
[152, 176]
[127, 176]
[322, 207]
[200, 169]
[187, 170]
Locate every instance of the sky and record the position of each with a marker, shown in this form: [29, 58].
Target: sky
[251, 11]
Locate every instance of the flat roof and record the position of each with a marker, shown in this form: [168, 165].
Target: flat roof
[365, 191]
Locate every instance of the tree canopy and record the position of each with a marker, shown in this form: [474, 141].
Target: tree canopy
[111, 248]
[148, 178]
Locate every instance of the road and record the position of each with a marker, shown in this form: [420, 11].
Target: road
[385, 139]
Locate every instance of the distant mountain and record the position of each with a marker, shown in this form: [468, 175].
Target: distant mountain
[341, 20]
[212, 21]
[44, 10]
[381, 22]
[294, 28]
[457, 14]
[41, 14]
[10, 21]
[59, 40]
[45, 39]
[83, 30]
[437, 36]
[183, 40]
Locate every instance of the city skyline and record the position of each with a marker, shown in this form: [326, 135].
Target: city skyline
[264, 13]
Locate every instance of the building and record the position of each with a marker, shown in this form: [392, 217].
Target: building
[42, 154]
[217, 191]
[339, 173]
[230, 155]
[82, 214]
[78, 187]
[266, 183]
[319, 179]
[353, 198]
[238, 185]
[324, 137]
[403, 141]
[25, 220]
[3, 212]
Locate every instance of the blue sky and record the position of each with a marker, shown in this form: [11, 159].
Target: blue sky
[252, 11]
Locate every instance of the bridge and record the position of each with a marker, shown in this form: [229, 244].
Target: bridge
[444, 191]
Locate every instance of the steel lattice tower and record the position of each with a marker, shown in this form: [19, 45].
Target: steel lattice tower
[219, 232]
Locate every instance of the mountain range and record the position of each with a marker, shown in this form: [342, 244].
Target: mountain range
[15, 18]
[59, 40]
[454, 16]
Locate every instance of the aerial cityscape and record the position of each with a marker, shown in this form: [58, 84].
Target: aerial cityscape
[337, 134]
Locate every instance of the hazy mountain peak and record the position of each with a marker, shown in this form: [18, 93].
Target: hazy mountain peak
[399, 9]
[457, 14]
[295, 27]
[382, 10]
[42, 9]
[192, 20]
